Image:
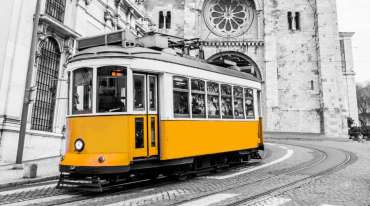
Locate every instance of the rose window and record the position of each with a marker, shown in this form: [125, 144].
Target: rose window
[228, 18]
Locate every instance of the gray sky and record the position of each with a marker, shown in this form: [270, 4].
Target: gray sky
[354, 16]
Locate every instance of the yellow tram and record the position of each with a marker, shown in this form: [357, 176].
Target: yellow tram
[137, 111]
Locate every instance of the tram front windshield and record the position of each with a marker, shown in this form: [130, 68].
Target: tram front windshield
[111, 90]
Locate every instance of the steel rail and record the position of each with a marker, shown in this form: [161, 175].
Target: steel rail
[117, 189]
[148, 184]
[323, 156]
[295, 184]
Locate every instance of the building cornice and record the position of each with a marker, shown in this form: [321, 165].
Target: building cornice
[232, 43]
[136, 11]
[59, 27]
[346, 34]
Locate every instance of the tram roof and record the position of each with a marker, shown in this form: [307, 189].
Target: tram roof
[146, 53]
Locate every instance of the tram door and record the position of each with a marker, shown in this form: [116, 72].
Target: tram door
[146, 115]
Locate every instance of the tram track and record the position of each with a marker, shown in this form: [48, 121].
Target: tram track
[132, 187]
[256, 198]
[322, 156]
[45, 190]
[295, 184]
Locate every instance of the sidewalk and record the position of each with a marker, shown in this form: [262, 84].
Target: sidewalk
[47, 169]
[303, 136]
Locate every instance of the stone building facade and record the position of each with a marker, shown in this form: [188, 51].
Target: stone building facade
[61, 22]
[308, 82]
[295, 46]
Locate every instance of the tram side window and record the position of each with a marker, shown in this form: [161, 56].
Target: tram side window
[249, 105]
[181, 96]
[82, 91]
[213, 99]
[152, 93]
[238, 103]
[112, 89]
[139, 92]
[198, 98]
[226, 103]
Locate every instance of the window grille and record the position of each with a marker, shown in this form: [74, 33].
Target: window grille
[56, 9]
[46, 83]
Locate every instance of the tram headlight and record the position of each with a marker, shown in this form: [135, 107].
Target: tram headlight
[79, 145]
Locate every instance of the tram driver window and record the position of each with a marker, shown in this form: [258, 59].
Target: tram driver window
[249, 105]
[82, 91]
[198, 101]
[226, 104]
[111, 89]
[181, 96]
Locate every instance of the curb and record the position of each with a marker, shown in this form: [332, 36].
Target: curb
[28, 181]
[309, 139]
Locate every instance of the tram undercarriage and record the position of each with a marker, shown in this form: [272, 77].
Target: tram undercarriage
[102, 179]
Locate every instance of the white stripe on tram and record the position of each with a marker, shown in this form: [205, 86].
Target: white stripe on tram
[289, 153]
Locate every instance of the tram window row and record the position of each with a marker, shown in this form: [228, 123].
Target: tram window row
[205, 98]
[192, 98]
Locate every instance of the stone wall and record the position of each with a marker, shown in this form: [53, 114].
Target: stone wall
[335, 123]
[350, 100]
[303, 84]
[291, 66]
[177, 9]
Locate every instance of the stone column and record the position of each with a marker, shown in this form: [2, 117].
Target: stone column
[260, 25]
[270, 72]
[349, 75]
[329, 68]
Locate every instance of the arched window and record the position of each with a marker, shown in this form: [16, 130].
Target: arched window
[161, 20]
[297, 19]
[168, 20]
[46, 84]
[56, 9]
[235, 60]
[290, 20]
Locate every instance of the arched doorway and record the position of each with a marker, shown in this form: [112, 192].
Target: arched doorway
[235, 60]
[46, 84]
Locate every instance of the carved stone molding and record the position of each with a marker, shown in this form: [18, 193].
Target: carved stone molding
[108, 16]
[117, 2]
[87, 2]
[42, 35]
[228, 18]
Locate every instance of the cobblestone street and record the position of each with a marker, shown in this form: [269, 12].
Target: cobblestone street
[292, 173]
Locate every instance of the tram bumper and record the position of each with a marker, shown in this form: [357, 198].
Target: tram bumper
[91, 170]
[92, 164]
